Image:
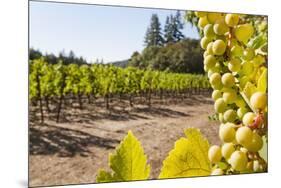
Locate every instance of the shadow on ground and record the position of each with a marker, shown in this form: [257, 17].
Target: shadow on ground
[64, 142]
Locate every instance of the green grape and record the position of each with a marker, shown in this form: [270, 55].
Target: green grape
[244, 32]
[215, 79]
[200, 14]
[221, 118]
[234, 65]
[236, 51]
[202, 22]
[210, 61]
[217, 172]
[205, 54]
[256, 143]
[213, 17]
[230, 115]
[247, 68]
[231, 19]
[216, 94]
[214, 154]
[241, 112]
[204, 42]
[238, 161]
[209, 31]
[227, 132]
[229, 96]
[248, 54]
[205, 68]
[228, 80]
[220, 28]
[244, 135]
[227, 149]
[218, 47]
[248, 118]
[209, 48]
[258, 100]
[220, 105]
[217, 68]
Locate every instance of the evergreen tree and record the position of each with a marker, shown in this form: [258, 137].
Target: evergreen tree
[173, 28]
[178, 26]
[168, 31]
[153, 36]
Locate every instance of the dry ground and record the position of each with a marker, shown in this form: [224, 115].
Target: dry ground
[71, 152]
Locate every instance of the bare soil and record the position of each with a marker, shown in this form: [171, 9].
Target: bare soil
[71, 152]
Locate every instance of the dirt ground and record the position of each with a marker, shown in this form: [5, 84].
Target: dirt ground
[71, 152]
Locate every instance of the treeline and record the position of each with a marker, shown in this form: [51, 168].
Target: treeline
[167, 49]
[55, 83]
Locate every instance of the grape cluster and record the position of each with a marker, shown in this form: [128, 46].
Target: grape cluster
[232, 65]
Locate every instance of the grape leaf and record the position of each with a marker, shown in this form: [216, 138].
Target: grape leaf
[263, 151]
[127, 163]
[249, 89]
[257, 42]
[188, 158]
[262, 82]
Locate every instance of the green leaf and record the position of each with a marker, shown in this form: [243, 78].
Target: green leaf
[127, 163]
[262, 82]
[257, 42]
[188, 158]
[263, 151]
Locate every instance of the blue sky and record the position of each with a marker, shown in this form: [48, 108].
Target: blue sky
[91, 31]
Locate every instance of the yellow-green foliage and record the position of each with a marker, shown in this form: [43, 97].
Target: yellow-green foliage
[127, 163]
[188, 158]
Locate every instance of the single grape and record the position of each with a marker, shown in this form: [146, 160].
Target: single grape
[248, 54]
[216, 94]
[210, 61]
[236, 51]
[218, 47]
[231, 19]
[244, 32]
[209, 31]
[248, 118]
[213, 17]
[220, 28]
[229, 96]
[228, 80]
[256, 143]
[227, 132]
[204, 42]
[215, 79]
[209, 48]
[214, 154]
[258, 100]
[217, 172]
[244, 135]
[234, 65]
[220, 105]
[202, 22]
[221, 118]
[256, 166]
[227, 149]
[230, 115]
[238, 161]
[205, 54]
[241, 112]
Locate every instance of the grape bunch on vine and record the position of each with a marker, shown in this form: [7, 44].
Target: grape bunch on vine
[235, 60]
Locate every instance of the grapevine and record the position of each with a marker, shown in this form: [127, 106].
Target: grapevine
[235, 59]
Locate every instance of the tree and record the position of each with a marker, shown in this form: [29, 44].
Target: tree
[153, 36]
[168, 30]
[173, 27]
